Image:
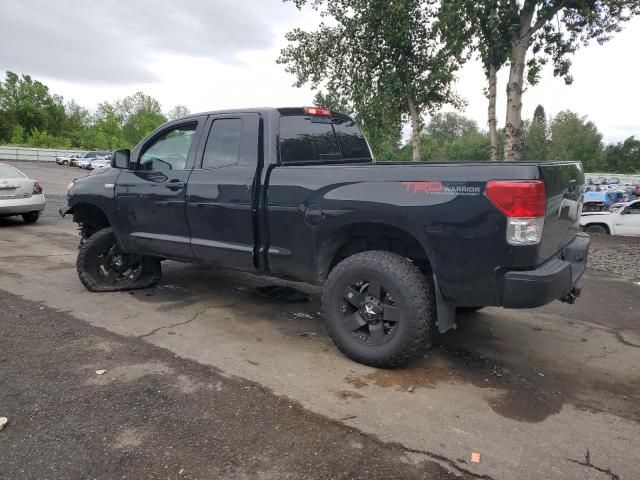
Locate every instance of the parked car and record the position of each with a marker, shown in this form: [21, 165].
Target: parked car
[66, 159]
[20, 195]
[294, 193]
[597, 202]
[100, 163]
[84, 160]
[621, 220]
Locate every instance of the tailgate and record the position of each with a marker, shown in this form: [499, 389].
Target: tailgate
[564, 186]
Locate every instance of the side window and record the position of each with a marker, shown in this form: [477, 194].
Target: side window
[223, 144]
[169, 151]
[304, 140]
[633, 209]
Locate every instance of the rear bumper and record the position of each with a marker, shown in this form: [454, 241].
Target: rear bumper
[17, 206]
[556, 279]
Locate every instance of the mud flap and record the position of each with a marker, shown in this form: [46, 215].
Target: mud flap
[446, 310]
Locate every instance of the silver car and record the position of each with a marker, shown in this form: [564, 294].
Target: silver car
[20, 195]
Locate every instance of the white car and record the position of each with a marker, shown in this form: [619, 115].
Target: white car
[100, 163]
[66, 159]
[624, 220]
[85, 163]
[20, 195]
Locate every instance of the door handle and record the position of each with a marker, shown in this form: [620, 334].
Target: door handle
[175, 185]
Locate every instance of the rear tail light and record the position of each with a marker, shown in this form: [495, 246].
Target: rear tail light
[318, 111]
[523, 202]
[37, 188]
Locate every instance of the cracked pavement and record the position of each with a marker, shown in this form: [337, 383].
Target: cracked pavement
[531, 391]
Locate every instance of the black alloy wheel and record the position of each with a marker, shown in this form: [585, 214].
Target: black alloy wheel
[103, 267]
[370, 313]
[379, 308]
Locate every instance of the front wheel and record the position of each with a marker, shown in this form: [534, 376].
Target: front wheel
[379, 309]
[103, 267]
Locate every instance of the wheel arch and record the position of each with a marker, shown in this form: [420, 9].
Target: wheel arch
[599, 224]
[90, 218]
[366, 236]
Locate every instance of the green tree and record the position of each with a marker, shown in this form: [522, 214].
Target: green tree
[553, 29]
[623, 157]
[76, 122]
[575, 138]
[540, 116]
[28, 103]
[17, 136]
[178, 111]
[140, 114]
[487, 24]
[536, 137]
[472, 146]
[449, 126]
[387, 59]
[106, 131]
[535, 143]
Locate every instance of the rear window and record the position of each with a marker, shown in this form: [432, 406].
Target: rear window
[317, 139]
[7, 171]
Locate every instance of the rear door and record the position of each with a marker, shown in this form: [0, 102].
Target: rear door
[150, 199]
[221, 195]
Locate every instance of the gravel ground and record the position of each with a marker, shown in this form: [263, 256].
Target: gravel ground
[619, 256]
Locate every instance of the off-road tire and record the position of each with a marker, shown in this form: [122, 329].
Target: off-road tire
[597, 229]
[87, 264]
[31, 217]
[415, 295]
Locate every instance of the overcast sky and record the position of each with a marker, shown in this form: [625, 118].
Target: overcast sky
[213, 54]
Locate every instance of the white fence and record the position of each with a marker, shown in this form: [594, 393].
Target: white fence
[33, 154]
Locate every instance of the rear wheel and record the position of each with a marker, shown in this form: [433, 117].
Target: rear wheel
[103, 267]
[599, 229]
[31, 217]
[379, 309]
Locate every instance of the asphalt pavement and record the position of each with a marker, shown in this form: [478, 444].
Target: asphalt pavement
[207, 376]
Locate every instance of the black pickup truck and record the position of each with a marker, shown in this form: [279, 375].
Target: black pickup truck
[294, 193]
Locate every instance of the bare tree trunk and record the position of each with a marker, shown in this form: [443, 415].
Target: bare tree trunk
[416, 129]
[493, 123]
[513, 134]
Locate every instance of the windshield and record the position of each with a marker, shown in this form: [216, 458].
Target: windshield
[617, 206]
[7, 171]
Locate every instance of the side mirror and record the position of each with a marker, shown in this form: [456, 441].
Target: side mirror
[121, 158]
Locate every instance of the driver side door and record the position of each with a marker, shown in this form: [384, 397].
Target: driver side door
[151, 196]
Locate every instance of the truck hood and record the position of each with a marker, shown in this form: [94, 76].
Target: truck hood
[591, 214]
